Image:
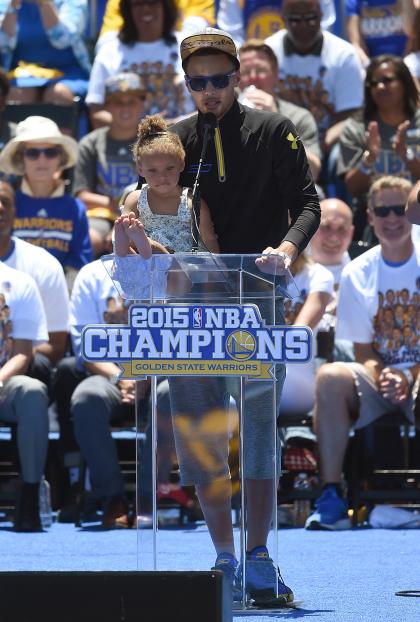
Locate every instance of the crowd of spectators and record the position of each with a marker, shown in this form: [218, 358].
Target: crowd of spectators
[353, 94]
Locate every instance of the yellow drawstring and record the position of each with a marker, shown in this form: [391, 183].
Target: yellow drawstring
[219, 154]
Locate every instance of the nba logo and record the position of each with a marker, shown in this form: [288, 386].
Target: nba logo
[197, 317]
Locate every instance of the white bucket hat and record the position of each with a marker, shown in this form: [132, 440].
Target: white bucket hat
[40, 130]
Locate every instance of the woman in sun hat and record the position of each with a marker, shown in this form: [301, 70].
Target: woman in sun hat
[45, 215]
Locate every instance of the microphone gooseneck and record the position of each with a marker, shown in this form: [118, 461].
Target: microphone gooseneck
[209, 123]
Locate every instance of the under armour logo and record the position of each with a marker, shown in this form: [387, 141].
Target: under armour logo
[292, 139]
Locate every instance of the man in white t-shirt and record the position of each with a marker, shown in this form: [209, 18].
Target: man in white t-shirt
[23, 400]
[330, 243]
[318, 70]
[48, 274]
[329, 247]
[378, 309]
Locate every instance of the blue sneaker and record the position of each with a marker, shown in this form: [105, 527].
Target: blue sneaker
[262, 578]
[330, 512]
[228, 564]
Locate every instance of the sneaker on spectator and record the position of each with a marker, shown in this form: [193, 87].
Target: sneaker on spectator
[228, 564]
[262, 577]
[330, 512]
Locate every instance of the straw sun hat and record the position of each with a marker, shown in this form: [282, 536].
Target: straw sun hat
[40, 130]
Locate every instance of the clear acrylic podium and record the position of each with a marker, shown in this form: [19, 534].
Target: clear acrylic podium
[223, 418]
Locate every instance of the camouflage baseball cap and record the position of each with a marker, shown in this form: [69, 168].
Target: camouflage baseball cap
[209, 38]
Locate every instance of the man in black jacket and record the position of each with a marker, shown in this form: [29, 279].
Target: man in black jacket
[262, 199]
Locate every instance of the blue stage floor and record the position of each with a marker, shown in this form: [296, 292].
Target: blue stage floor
[338, 577]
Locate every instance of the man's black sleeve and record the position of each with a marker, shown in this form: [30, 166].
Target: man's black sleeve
[295, 184]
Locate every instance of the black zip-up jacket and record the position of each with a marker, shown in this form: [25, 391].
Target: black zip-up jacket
[267, 179]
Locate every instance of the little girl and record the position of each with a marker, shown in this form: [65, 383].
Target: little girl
[161, 211]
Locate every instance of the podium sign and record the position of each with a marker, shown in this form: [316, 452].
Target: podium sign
[210, 329]
[196, 340]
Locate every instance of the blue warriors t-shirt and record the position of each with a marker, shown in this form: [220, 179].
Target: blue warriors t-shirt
[58, 224]
[381, 25]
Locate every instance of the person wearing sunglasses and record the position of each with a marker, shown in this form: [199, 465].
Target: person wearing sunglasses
[45, 215]
[317, 70]
[249, 19]
[382, 139]
[378, 311]
[266, 181]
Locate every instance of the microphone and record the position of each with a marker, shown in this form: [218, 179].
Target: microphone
[209, 123]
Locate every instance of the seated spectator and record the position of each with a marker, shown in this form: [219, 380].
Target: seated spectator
[42, 48]
[377, 310]
[318, 70]
[377, 27]
[249, 19]
[193, 15]
[412, 60]
[377, 142]
[105, 166]
[45, 215]
[316, 291]
[330, 243]
[146, 45]
[258, 85]
[328, 247]
[7, 130]
[97, 399]
[23, 400]
[48, 276]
